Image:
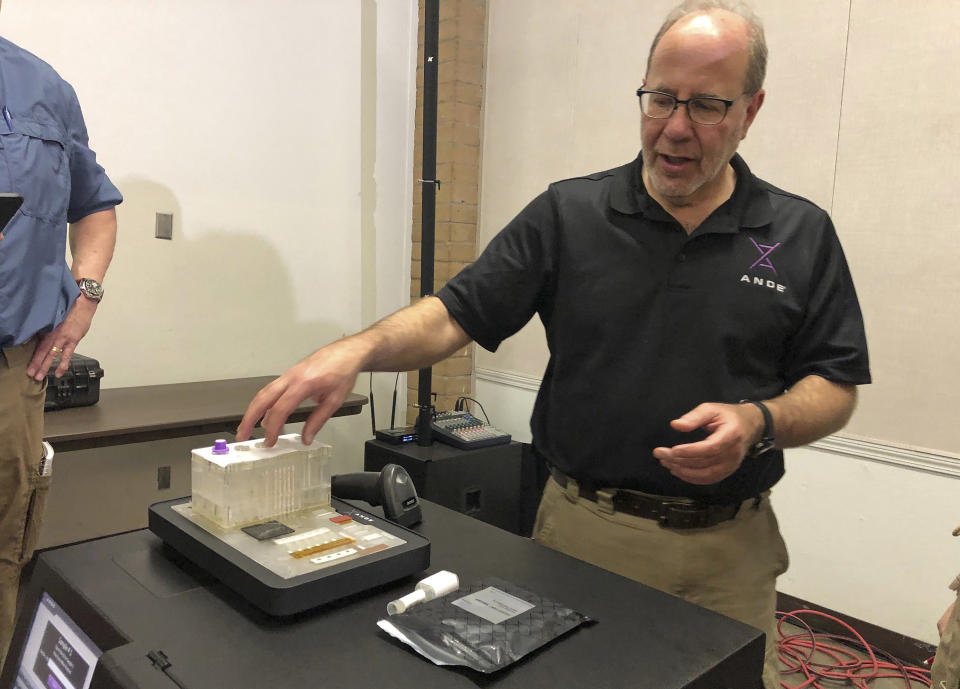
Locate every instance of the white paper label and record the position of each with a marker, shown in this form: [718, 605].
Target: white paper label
[493, 605]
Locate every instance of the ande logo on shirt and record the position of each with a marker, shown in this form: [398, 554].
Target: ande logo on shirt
[764, 262]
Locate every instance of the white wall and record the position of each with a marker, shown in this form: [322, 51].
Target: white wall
[243, 120]
[280, 137]
[871, 538]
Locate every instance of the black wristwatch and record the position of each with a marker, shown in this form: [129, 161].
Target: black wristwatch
[91, 289]
[767, 441]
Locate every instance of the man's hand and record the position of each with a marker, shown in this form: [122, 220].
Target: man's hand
[733, 428]
[92, 239]
[62, 340]
[328, 375]
[410, 339]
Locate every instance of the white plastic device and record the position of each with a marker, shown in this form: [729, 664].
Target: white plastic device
[434, 586]
[46, 461]
[246, 482]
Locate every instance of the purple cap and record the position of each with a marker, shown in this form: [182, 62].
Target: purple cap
[220, 447]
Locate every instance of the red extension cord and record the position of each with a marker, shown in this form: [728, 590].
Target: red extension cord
[823, 664]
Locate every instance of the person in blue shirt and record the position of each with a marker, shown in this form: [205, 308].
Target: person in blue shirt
[46, 307]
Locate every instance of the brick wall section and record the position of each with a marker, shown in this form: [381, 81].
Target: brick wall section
[460, 99]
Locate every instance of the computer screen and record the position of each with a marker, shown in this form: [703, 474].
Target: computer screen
[57, 654]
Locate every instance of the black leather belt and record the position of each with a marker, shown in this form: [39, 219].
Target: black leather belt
[671, 513]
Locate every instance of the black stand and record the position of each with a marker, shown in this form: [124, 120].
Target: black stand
[431, 42]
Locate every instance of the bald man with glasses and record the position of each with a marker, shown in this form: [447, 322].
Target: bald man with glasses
[699, 320]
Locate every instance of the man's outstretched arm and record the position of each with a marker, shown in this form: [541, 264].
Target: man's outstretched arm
[412, 338]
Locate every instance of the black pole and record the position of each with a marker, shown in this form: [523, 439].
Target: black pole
[428, 185]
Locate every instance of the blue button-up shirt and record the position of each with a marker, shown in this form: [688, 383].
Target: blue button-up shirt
[44, 157]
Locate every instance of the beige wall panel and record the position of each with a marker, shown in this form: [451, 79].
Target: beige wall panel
[793, 142]
[531, 74]
[614, 37]
[897, 207]
[528, 117]
[559, 103]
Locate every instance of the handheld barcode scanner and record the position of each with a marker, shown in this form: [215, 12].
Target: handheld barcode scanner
[390, 487]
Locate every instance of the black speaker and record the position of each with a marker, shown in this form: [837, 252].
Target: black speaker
[485, 483]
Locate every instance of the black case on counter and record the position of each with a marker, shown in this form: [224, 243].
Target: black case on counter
[78, 387]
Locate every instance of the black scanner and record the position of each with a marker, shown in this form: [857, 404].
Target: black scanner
[391, 487]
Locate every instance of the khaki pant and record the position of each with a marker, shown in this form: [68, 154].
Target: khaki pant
[22, 490]
[730, 568]
[945, 673]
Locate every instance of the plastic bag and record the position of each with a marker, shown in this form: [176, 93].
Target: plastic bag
[486, 626]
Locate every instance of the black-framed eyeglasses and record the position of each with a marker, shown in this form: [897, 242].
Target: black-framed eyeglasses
[702, 109]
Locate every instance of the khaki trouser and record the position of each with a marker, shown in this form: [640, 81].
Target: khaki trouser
[23, 491]
[945, 673]
[730, 568]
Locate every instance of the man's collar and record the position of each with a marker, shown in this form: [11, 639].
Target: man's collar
[749, 205]
[627, 192]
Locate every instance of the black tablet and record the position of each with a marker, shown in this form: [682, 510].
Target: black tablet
[9, 205]
[57, 653]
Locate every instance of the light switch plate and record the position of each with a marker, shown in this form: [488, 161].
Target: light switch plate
[164, 226]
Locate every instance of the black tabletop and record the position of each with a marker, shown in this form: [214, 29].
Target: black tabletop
[643, 639]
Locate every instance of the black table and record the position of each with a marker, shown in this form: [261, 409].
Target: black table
[644, 639]
[156, 412]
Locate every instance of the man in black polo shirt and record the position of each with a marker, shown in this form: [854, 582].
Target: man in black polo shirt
[698, 319]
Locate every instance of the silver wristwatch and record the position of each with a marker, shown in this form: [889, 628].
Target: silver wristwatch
[90, 288]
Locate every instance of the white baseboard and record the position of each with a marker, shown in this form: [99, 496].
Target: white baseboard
[513, 380]
[929, 461]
